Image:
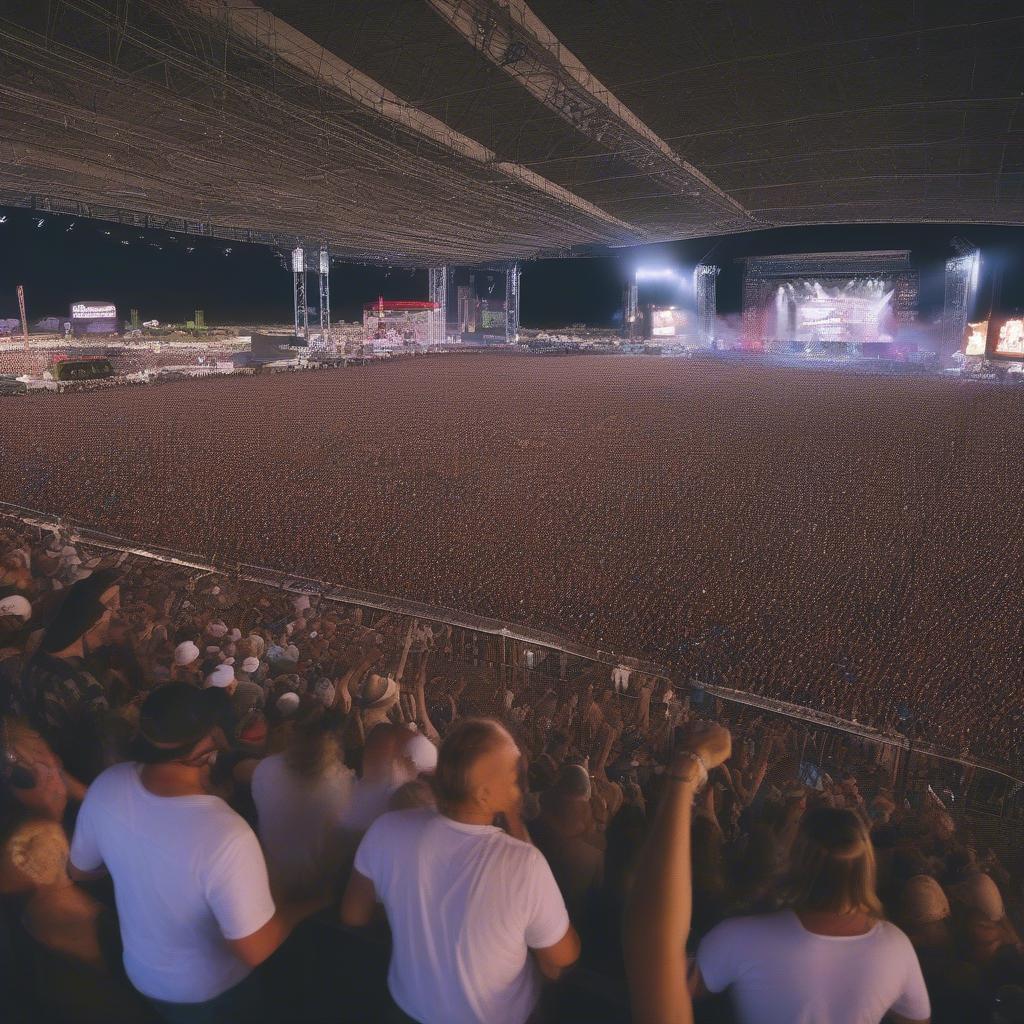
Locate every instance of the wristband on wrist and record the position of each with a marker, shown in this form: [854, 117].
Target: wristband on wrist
[702, 771]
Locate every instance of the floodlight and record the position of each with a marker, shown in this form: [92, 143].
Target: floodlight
[298, 260]
[655, 274]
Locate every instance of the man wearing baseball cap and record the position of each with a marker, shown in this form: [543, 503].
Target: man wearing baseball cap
[191, 883]
[187, 663]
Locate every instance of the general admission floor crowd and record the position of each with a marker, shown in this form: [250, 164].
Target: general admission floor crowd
[208, 787]
[840, 540]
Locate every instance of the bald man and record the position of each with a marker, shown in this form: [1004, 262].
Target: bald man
[476, 917]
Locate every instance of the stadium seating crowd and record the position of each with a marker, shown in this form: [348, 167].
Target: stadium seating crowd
[259, 772]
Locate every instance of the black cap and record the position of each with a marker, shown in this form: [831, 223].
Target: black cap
[177, 714]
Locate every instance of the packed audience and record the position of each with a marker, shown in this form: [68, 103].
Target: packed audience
[846, 542]
[223, 802]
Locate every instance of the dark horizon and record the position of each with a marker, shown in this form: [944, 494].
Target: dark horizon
[166, 276]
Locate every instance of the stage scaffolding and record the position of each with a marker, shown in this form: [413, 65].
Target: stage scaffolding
[201, 116]
[704, 280]
[630, 311]
[299, 293]
[763, 274]
[961, 286]
[437, 283]
[512, 275]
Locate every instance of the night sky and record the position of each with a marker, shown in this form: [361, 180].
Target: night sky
[167, 276]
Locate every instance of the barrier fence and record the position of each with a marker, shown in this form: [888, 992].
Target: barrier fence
[530, 661]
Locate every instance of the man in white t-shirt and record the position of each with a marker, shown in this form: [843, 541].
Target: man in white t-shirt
[190, 881]
[476, 917]
[782, 973]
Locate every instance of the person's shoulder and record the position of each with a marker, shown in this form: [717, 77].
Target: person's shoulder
[518, 855]
[405, 824]
[738, 928]
[116, 777]
[894, 937]
[268, 767]
[220, 830]
[413, 819]
[393, 833]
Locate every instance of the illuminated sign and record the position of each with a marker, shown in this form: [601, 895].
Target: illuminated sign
[93, 311]
[975, 342]
[1011, 338]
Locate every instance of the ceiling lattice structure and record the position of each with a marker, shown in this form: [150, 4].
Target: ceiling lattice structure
[420, 132]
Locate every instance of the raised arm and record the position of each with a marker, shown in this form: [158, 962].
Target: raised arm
[343, 685]
[658, 912]
[422, 715]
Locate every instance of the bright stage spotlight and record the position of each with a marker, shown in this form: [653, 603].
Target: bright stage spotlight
[655, 274]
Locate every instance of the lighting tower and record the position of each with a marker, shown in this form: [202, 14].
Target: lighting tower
[512, 273]
[962, 273]
[299, 289]
[325, 299]
[704, 275]
[630, 310]
[437, 281]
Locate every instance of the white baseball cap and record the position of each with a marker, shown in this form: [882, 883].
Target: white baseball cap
[222, 675]
[185, 653]
[17, 606]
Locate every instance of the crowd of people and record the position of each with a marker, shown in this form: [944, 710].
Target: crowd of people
[845, 542]
[226, 802]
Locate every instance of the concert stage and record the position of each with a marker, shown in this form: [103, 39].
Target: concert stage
[836, 304]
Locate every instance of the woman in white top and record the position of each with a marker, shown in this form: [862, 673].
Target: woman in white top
[300, 796]
[828, 957]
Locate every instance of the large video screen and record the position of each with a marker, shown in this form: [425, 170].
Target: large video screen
[1011, 339]
[977, 334]
[668, 322]
[93, 311]
[820, 312]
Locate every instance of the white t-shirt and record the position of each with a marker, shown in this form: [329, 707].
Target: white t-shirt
[368, 802]
[188, 873]
[300, 823]
[781, 973]
[465, 903]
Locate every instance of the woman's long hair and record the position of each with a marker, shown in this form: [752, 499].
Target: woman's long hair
[832, 865]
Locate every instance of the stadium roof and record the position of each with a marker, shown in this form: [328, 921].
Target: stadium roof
[419, 132]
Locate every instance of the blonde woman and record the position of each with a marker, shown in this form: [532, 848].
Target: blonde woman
[827, 957]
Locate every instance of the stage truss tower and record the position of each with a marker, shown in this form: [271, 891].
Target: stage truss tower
[961, 286]
[324, 343]
[437, 280]
[512, 275]
[704, 278]
[299, 291]
[630, 311]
